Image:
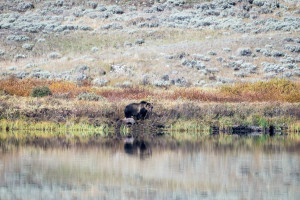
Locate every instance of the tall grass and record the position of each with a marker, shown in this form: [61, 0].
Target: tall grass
[63, 87]
[273, 90]
[14, 86]
[198, 94]
[276, 90]
[126, 93]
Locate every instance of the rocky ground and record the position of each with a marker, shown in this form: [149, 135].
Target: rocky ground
[161, 43]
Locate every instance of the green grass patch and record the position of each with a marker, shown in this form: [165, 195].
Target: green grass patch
[53, 128]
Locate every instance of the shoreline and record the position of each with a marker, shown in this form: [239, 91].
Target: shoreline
[66, 107]
[37, 114]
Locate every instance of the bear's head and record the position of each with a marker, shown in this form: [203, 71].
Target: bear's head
[149, 107]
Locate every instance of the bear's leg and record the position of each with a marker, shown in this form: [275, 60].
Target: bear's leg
[143, 113]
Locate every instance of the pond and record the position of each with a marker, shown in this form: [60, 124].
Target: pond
[208, 167]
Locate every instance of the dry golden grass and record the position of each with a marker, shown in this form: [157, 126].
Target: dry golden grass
[271, 91]
[14, 86]
[62, 87]
[199, 94]
[127, 93]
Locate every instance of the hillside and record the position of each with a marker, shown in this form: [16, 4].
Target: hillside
[161, 43]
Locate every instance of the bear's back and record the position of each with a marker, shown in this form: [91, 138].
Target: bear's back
[131, 110]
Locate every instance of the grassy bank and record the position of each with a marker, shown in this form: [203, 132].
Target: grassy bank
[83, 107]
[51, 114]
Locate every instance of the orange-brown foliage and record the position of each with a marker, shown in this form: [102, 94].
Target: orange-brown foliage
[200, 95]
[14, 86]
[274, 90]
[61, 87]
[126, 93]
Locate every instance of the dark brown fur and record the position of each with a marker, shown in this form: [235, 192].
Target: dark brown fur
[138, 110]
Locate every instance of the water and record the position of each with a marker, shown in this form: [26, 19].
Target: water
[207, 168]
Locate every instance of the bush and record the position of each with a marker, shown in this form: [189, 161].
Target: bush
[89, 96]
[41, 92]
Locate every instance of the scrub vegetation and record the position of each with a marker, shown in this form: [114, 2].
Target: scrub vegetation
[275, 90]
[83, 107]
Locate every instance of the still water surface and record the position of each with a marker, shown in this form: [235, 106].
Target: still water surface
[165, 170]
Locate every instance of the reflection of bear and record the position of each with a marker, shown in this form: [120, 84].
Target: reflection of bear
[138, 110]
[137, 147]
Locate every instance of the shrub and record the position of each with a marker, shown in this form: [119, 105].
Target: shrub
[89, 96]
[244, 52]
[41, 92]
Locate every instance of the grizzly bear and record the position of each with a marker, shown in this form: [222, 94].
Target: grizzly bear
[138, 110]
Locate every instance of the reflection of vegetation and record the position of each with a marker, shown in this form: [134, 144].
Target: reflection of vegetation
[194, 138]
[185, 165]
[226, 142]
